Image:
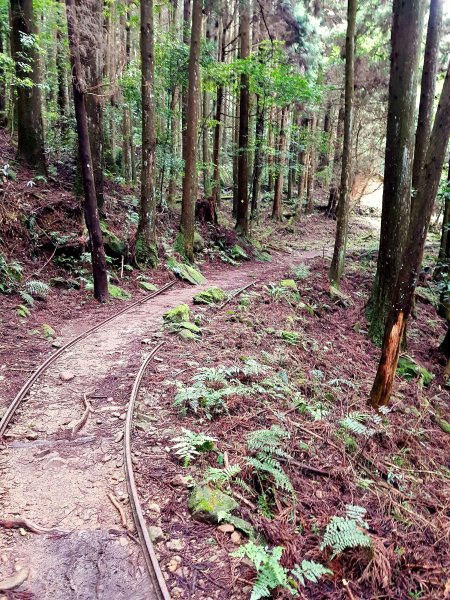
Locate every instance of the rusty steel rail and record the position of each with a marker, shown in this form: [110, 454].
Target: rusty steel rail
[154, 569]
[12, 408]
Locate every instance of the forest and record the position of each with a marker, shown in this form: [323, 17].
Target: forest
[225, 299]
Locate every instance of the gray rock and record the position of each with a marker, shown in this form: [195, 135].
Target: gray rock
[155, 533]
[175, 545]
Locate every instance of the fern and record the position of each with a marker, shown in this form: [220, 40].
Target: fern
[347, 532]
[201, 398]
[270, 466]
[221, 477]
[301, 271]
[26, 297]
[191, 444]
[267, 444]
[309, 570]
[37, 289]
[268, 441]
[356, 423]
[270, 573]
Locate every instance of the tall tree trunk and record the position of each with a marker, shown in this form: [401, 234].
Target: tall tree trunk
[277, 212]
[337, 163]
[99, 271]
[411, 259]
[244, 102]
[258, 162]
[61, 69]
[324, 160]
[444, 255]
[184, 94]
[270, 157]
[427, 89]
[235, 156]
[30, 127]
[3, 111]
[406, 40]
[187, 223]
[146, 250]
[218, 118]
[340, 245]
[90, 20]
[310, 180]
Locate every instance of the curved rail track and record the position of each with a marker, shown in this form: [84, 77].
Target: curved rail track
[156, 577]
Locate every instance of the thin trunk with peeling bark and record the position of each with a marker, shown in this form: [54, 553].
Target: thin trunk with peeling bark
[99, 271]
[340, 245]
[258, 162]
[310, 180]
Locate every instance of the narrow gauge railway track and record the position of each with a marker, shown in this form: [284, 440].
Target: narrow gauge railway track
[12, 408]
[157, 580]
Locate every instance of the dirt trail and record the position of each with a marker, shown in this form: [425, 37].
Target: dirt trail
[57, 481]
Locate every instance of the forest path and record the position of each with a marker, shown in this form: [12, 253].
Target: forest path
[61, 482]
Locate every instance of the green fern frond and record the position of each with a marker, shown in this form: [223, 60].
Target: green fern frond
[26, 297]
[356, 423]
[223, 476]
[268, 441]
[344, 532]
[191, 444]
[270, 573]
[309, 570]
[37, 289]
[273, 468]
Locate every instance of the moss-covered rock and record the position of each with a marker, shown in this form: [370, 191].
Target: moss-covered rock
[289, 284]
[111, 241]
[148, 287]
[199, 242]
[213, 295]
[189, 327]
[207, 503]
[64, 283]
[178, 314]
[117, 292]
[186, 272]
[443, 424]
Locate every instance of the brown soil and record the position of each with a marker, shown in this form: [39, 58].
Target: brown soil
[400, 475]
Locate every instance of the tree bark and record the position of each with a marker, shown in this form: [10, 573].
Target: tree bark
[146, 250]
[427, 89]
[411, 259]
[244, 102]
[30, 127]
[310, 180]
[3, 111]
[340, 245]
[277, 212]
[406, 39]
[337, 163]
[258, 162]
[99, 271]
[90, 20]
[187, 222]
[218, 120]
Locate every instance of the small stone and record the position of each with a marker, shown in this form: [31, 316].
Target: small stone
[66, 376]
[247, 589]
[319, 494]
[123, 541]
[236, 538]
[118, 437]
[32, 436]
[4, 558]
[56, 344]
[22, 531]
[176, 592]
[172, 565]
[154, 508]
[99, 421]
[56, 462]
[175, 545]
[110, 399]
[180, 480]
[155, 533]
[226, 528]
[16, 580]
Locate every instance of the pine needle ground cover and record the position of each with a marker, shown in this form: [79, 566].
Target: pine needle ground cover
[323, 497]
